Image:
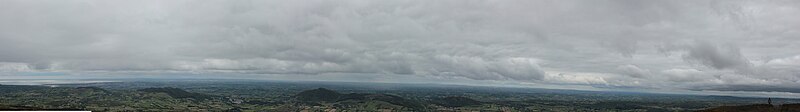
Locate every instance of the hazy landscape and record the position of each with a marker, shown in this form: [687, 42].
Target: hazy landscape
[281, 96]
[400, 55]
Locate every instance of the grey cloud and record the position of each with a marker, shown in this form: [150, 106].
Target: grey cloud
[590, 42]
[687, 75]
[14, 67]
[717, 56]
[522, 69]
[633, 71]
[753, 88]
[283, 38]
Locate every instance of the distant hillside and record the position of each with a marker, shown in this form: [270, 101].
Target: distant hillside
[456, 101]
[15, 107]
[91, 89]
[177, 93]
[26, 108]
[756, 108]
[319, 94]
[397, 100]
[18, 88]
[322, 94]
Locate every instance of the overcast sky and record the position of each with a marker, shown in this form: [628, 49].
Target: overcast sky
[718, 45]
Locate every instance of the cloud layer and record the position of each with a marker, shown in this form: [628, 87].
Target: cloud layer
[646, 44]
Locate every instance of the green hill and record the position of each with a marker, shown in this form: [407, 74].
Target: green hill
[456, 101]
[319, 94]
[19, 88]
[178, 93]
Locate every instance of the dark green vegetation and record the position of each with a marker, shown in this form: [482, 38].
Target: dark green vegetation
[98, 99]
[317, 95]
[325, 97]
[176, 93]
[238, 95]
[456, 101]
[756, 108]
